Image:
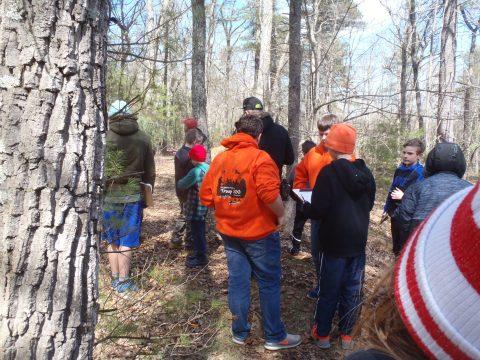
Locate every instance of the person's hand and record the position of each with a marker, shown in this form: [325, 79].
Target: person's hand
[397, 194]
[281, 222]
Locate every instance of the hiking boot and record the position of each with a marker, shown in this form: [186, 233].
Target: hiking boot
[127, 285]
[176, 243]
[347, 342]
[323, 342]
[289, 342]
[196, 261]
[313, 294]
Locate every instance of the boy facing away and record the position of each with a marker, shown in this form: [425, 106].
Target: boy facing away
[194, 210]
[342, 199]
[183, 165]
[407, 173]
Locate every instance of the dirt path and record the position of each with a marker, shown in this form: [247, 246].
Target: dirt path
[184, 313]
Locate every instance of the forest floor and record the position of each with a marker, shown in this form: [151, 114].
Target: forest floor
[183, 313]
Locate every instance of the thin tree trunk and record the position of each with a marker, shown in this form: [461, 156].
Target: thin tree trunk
[52, 106]
[266, 23]
[415, 62]
[199, 94]
[294, 73]
[402, 113]
[446, 81]
[469, 89]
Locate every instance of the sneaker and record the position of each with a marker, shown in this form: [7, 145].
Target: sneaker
[347, 342]
[196, 261]
[128, 285]
[313, 294]
[289, 342]
[238, 340]
[115, 282]
[323, 342]
[295, 249]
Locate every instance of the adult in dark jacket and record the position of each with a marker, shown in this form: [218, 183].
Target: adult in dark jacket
[444, 169]
[131, 158]
[275, 139]
[342, 199]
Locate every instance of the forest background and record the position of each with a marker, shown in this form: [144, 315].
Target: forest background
[375, 64]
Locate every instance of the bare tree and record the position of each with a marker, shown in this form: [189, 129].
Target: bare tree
[199, 94]
[446, 81]
[294, 72]
[266, 23]
[469, 88]
[52, 105]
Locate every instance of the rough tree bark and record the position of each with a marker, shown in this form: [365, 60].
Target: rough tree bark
[199, 92]
[294, 72]
[266, 23]
[446, 80]
[52, 106]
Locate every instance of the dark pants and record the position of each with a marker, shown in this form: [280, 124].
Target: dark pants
[397, 236]
[341, 283]
[299, 222]
[198, 235]
[315, 247]
[182, 227]
[260, 258]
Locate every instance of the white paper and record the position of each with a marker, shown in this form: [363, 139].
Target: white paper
[306, 196]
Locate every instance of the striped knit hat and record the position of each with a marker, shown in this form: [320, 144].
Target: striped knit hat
[437, 280]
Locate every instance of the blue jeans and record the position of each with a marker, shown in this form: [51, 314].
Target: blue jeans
[315, 248]
[197, 228]
[262, 259]
[341, 283]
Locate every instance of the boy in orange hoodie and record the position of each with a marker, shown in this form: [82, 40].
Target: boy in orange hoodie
[242, 185]
[305, 176]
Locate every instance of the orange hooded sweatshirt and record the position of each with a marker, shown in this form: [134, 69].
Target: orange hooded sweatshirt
[240, 183]
[308, 169]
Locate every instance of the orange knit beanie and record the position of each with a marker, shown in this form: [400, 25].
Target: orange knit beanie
[341, 138]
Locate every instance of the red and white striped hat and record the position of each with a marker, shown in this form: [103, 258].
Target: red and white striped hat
[437, 280]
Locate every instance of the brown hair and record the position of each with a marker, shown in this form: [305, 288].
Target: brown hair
[249, 124]
[383, 325]
[191, 136]
[416, 143]
[326, 122]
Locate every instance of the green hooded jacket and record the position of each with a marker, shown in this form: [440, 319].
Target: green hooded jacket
[137, 159]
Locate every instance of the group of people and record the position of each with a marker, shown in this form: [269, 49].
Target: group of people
[243, 186]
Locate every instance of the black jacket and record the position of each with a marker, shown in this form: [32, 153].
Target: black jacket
[182, 166]
[342, 199]
[276, 142]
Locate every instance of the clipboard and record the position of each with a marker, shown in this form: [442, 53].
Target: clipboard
[302, 195]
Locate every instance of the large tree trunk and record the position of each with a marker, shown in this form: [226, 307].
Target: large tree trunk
[199, 92]
[446, 81]
[266, 21]
[52, 106]
[294, 72]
